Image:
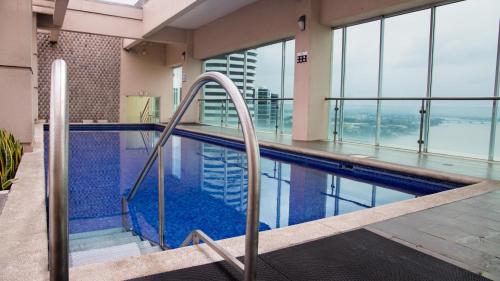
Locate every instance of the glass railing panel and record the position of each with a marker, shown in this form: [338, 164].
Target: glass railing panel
[460, 128]
[287, 116]
[359, 122]
[496, 156]
[400, 124]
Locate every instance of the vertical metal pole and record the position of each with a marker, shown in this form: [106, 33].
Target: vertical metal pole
[282, 95]
[494, 113]
[342, 84]
[335, 121]
[278, 201]
[421, 131]
[380, 77]
[337, 196]
[430, 68]
[58, 173]
[374, 195]
[161, 197]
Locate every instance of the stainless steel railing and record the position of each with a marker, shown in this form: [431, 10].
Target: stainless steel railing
[423, 111]
[253, 158]
[58, 172]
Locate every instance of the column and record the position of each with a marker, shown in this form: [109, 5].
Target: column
[16, 75]
[312, 78]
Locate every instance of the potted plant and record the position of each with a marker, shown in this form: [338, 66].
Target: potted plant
[11, 152]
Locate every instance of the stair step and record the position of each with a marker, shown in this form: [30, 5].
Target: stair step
[102, 241]
[146, 248]
[112, 253]
[96, 233]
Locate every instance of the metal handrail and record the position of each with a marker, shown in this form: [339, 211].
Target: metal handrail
[58, 172]
[251, 99]
[414, 98]
[253, 163]
[143, 112]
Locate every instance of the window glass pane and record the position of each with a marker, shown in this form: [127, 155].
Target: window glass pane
[289, 80]
[460, 129]
[359, 121]
[406, 49]
[465, 48]
[400, 124]
[362, 50]
[361, 80]
[177, 85]
[268, 84]
[464, 65]
[336, 76]
[406, 52]
[258, 73]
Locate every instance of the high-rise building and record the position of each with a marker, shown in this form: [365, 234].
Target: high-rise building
[241, 68]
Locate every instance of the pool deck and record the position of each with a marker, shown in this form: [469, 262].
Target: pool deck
[435, 162]
[460, 226]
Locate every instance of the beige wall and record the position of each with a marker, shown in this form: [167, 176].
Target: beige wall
[255, 24]
[16, 90]
[339, 12]
[146, 73]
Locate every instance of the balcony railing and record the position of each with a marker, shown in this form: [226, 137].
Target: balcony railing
[268, 114]
[422, 112]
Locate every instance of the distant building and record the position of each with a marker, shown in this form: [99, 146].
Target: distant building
[241, 68]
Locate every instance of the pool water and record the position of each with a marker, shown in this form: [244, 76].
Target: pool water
[206, 186]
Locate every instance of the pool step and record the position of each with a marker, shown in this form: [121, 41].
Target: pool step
[107, 245]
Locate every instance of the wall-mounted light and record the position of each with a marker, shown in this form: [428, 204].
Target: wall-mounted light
[302, 22]
[183, 56]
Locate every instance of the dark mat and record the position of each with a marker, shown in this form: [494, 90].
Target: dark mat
[356, 255]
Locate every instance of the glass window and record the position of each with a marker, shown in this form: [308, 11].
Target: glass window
[466, 36]
[261, 73]
[464, 63]
[177, 86]
[405, 64]
[289, 78]
[361, 80]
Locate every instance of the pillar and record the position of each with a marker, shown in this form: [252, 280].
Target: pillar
[312, 78]
[16, 74]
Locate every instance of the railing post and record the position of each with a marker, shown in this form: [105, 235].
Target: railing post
[161, 198]
[277, 108]
[58, 173]
[335, 121]
[422, 112]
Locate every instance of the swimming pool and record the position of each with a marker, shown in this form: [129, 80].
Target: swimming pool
[205, 184]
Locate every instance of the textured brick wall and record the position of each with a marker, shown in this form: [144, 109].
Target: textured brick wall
[94, 75]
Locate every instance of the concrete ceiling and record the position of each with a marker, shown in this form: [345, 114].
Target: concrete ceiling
[207, 11]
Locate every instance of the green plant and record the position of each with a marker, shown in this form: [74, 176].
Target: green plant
[11, 152]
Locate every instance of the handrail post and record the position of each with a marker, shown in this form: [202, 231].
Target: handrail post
[421, 128]
[335, 121]
[58, 173]
[161, 197]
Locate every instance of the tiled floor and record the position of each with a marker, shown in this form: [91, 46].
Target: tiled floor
[465, 232]
[449, 164]
[3, 198]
